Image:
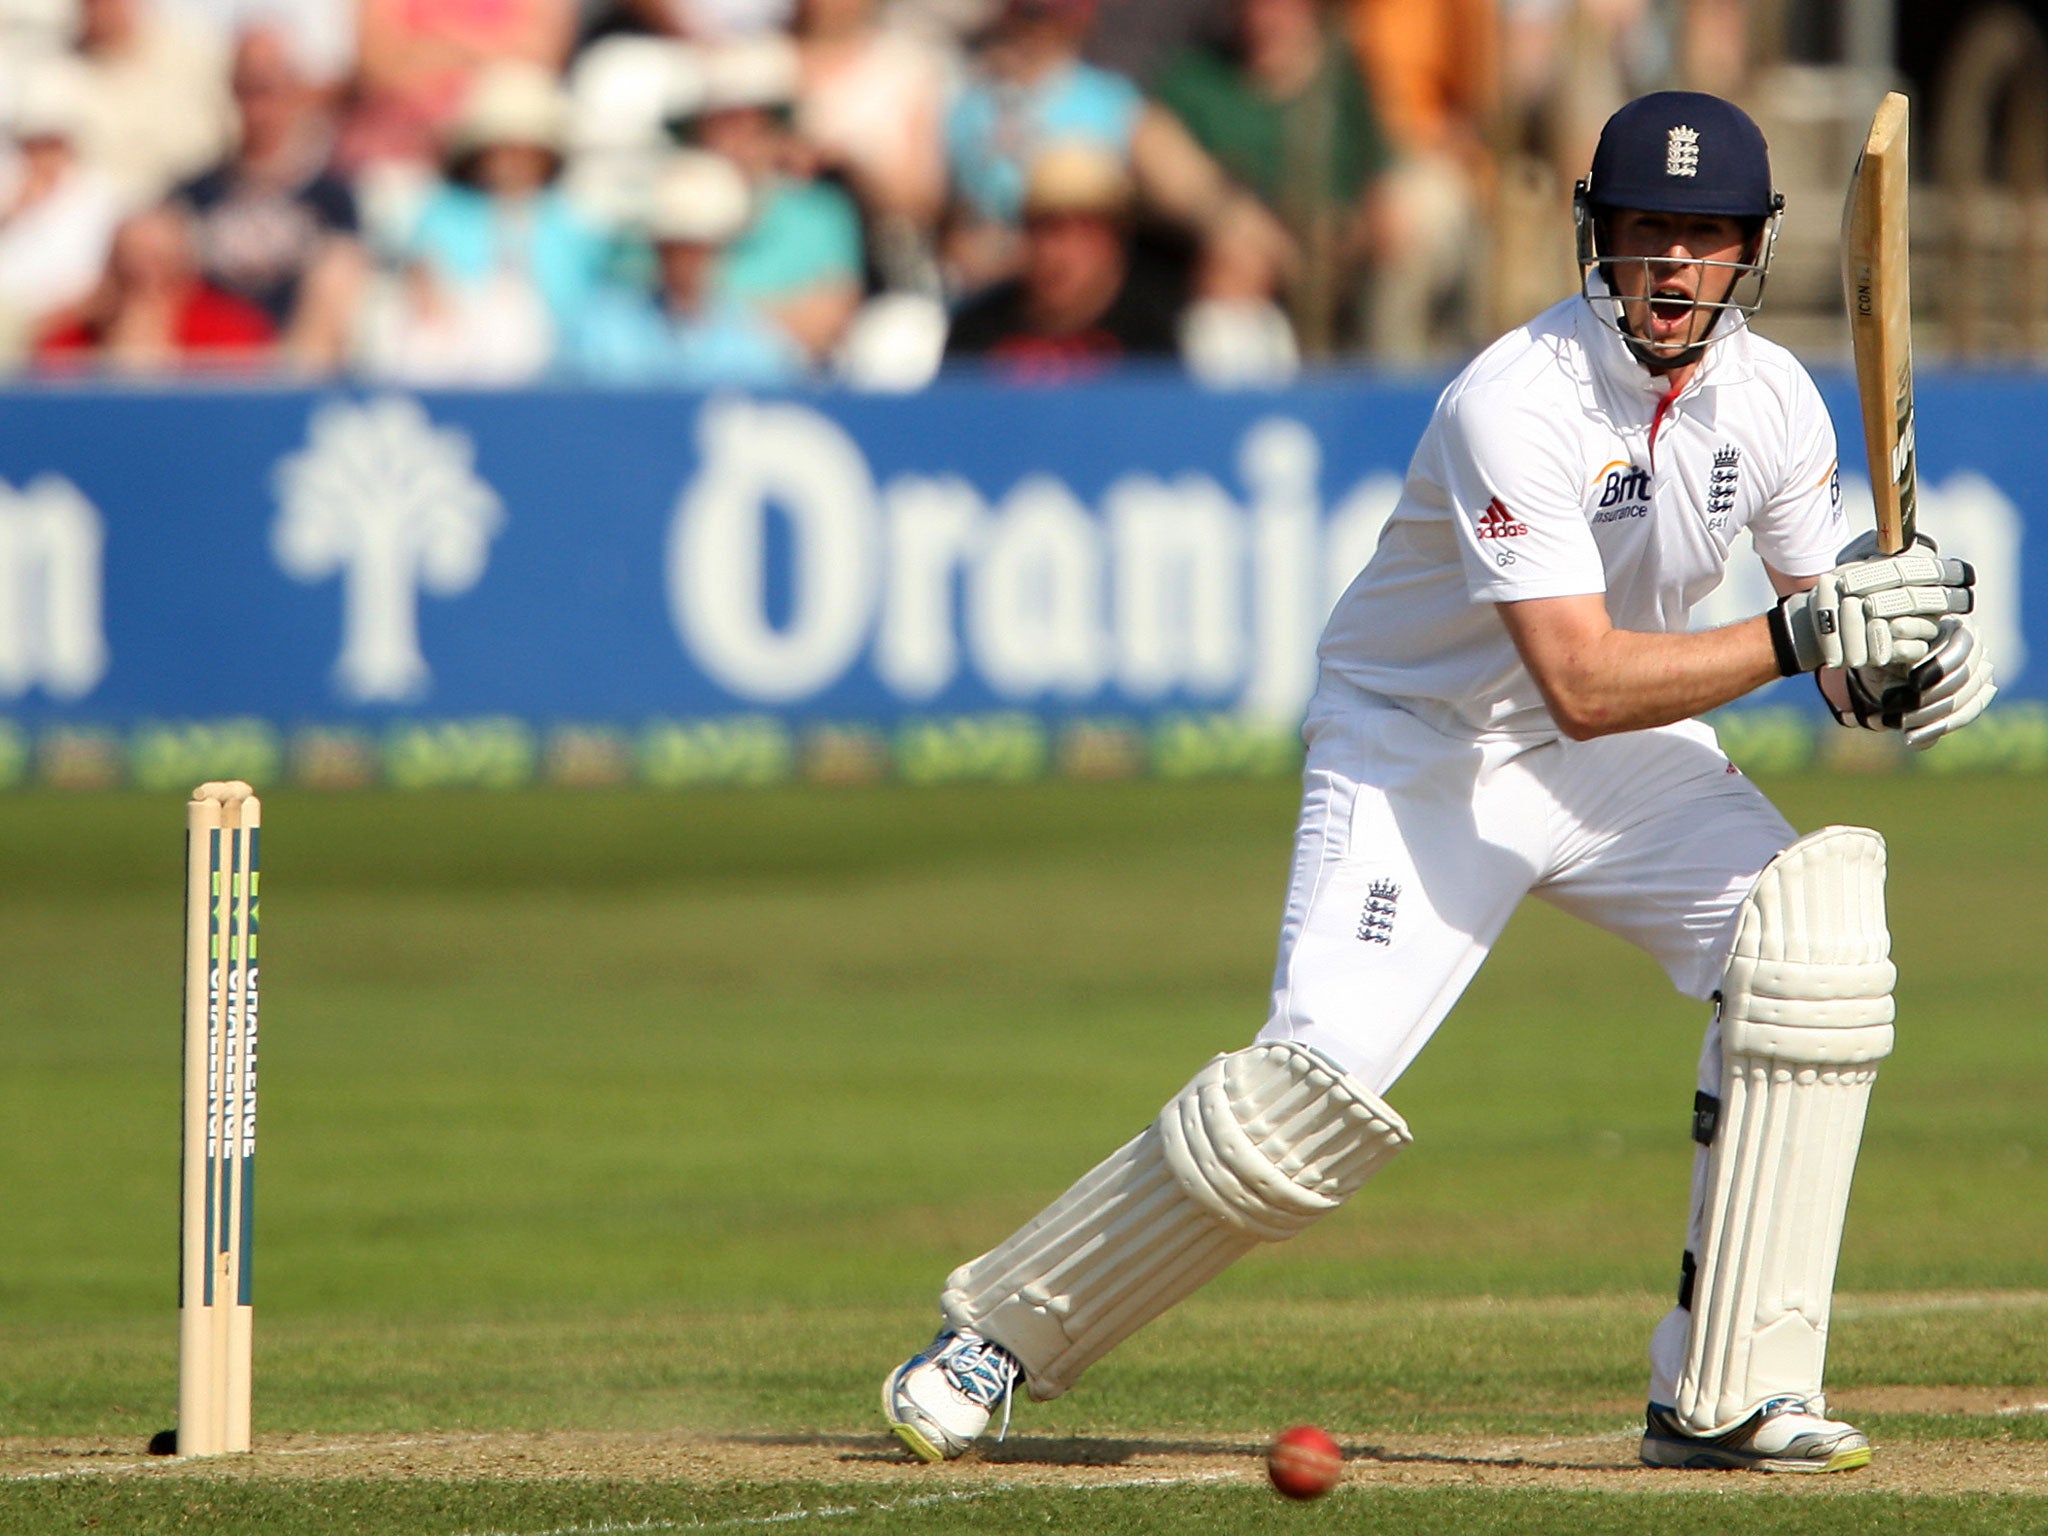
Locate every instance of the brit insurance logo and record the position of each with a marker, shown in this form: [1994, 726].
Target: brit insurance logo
[1624, 492]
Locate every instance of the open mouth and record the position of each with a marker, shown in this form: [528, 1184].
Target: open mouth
[1670, 306]
[1668, 327]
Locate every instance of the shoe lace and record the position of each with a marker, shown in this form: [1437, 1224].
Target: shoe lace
[983, 1372]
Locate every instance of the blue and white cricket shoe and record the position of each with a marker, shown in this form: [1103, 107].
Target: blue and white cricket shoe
[940, 1400]
[1787, 1434]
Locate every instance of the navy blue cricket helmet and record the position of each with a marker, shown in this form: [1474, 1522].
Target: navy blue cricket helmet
[1681, 152]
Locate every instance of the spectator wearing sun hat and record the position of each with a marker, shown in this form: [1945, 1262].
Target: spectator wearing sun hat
[1072, 311]
[800, 258]
[1031, 88]
[689, 331]
[500, 265]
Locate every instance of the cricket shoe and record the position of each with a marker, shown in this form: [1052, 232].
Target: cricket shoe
[1787, 1434]
[941, 1398]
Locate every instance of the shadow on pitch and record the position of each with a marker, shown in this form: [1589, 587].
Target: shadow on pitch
[1018, 1450]
[1044, 1451]
[1382, 1456]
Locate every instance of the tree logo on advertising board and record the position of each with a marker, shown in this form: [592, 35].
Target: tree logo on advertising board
[393, 505]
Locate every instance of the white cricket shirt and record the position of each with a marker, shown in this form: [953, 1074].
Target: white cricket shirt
[1556, 464]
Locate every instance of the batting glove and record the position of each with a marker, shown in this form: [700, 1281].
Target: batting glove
[1944, 693]
[1866, 687]
[1869, 613]
[1912, 639]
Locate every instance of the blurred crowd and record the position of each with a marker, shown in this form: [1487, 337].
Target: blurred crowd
[762, 192]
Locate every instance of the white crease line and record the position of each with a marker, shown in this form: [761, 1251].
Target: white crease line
[2021, 1410]
[70, 1472]
[835, 1511]
[158, 1463]
[331, 1447]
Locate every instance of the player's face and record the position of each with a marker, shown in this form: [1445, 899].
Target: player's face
[1661, 267]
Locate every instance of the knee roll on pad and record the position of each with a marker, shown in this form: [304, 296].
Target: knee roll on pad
[1261, 1143]
[1806, 1015]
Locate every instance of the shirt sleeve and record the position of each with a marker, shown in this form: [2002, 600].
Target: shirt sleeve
[1513, 482]
[1801, 529]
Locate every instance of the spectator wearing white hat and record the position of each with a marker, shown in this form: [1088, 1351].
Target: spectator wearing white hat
[1031, 88]
[800, 259]
[500, 265]
[688, 332]
[57, 214]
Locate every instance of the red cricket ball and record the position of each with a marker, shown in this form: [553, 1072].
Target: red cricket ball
[1304, 1463]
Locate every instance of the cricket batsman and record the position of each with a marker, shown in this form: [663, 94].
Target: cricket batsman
[1507, 705]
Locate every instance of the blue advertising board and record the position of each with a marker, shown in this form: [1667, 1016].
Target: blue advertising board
[971, 580]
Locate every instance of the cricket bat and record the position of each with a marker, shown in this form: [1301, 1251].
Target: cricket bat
[1875, 279]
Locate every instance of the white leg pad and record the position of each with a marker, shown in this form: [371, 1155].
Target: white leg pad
[1261, 1143]
[1806, 1015]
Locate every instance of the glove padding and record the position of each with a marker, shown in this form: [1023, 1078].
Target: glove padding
[1946, 691]
[1912, 639]
[1870, 613]
[1943, 693]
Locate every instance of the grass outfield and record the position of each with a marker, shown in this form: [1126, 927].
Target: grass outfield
[614, 1144]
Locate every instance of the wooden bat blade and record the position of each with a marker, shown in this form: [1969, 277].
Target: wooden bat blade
[1875, 277]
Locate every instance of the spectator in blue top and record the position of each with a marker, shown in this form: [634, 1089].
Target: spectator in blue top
[800, 260]
[500, 265]
[1034, 89]
[689, 332]
[1031, 89]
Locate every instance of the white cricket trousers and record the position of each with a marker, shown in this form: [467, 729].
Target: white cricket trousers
[1415, 847]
